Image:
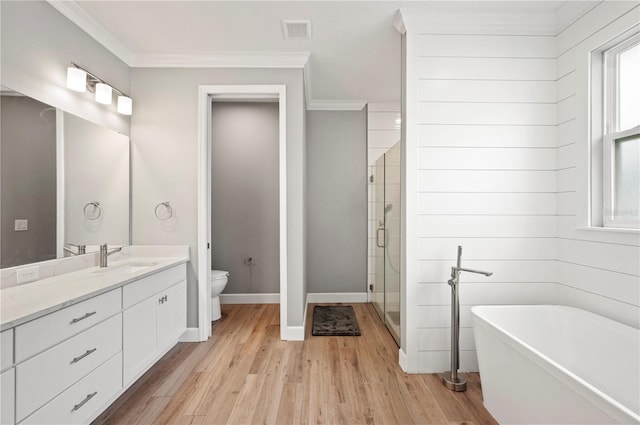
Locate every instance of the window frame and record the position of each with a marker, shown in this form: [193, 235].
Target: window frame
[609, 130]
[608, 180]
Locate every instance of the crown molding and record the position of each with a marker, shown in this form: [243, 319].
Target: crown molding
[306, 81]
[76, 14]
[461, 18]
[336, 105]
[383, 107]
[223, 60]
[298, 60]
[452, 18]
[398, 22]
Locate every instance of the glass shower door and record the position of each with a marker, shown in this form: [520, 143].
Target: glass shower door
[386, 294]
[378, 233]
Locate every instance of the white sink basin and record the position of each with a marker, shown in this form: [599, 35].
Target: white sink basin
[128, 267]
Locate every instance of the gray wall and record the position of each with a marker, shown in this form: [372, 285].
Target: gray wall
[336, 193]
[28, 180]
[164, 143]
[38, 44]
[244, 195]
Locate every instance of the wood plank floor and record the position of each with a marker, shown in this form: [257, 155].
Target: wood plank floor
[244, 374]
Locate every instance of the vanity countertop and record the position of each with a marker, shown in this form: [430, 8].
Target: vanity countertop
[20, 304]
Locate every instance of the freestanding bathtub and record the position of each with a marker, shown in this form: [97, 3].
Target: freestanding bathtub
[545, 364]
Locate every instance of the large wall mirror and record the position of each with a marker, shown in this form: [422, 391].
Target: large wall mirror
[64, 182]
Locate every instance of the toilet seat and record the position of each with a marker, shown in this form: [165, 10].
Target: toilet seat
[218, 274]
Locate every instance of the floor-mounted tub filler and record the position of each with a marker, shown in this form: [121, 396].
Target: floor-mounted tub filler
[450, 378]
[544, 364]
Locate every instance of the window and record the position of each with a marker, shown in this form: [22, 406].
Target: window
[621, 135]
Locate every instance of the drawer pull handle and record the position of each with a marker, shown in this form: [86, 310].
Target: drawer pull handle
[78, 319]
[163, 300]
[82, 356]
[83, 402]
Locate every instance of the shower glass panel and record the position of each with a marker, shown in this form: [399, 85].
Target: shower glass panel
[378, 234]
[386, 293]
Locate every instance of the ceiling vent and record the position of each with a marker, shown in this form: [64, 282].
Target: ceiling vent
[296, 29]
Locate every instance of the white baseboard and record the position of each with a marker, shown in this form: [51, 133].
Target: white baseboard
[402, 360]
[249, 298]
[337, 297]
[190, 335]
[294, 333]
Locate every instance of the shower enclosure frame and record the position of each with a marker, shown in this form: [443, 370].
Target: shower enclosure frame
[387, 239]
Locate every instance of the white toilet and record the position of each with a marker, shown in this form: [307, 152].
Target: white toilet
[219, 279]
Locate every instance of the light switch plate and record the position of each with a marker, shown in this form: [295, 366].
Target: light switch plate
[27, 274]
[21, 225]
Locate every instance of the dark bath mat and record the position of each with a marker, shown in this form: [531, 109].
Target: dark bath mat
[334, 320]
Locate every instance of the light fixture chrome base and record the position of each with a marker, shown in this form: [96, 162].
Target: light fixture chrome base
[458, 384]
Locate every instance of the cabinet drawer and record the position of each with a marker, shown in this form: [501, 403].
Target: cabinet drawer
[7, 397]
[84, 400]
[6, 349]
[44, 332]
[144, 288]
[46, 375]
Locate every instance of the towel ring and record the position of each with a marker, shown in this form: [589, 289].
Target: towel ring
[168, 208]
[97, 211]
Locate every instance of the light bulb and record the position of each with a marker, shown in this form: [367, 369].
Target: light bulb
[103, 93]
[76, 79]
[125, 105]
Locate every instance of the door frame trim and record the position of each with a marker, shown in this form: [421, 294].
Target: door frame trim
[206, 94]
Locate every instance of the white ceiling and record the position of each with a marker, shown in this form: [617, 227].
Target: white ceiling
[355, 49]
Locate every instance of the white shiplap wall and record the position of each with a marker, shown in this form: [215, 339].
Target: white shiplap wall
[486, 117]
[502, 159]
[596, 270]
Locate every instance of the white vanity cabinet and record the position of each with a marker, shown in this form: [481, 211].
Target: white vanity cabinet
[67, 366]
[64, 364]
[55, 351]
[172, 315]
[40, 334]
[84, 400]
[154, 320]
[7, 396]
[6, 349]
[7, 378]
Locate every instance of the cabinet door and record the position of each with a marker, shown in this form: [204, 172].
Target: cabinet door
[139, 338]
[7, 397]
[172, 315]
[6, 349]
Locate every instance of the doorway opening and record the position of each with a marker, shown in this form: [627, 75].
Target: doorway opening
[249, 94]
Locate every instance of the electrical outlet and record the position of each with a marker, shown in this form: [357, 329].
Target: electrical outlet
[28, 274]
[21, 225]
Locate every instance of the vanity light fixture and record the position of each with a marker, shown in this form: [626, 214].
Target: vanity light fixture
[76, 79]
[104, 94]
[125, 105]
[79, 79]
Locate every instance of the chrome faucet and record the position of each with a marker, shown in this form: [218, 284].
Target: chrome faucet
[80, 249]
[455, 273]
[450, 378]
[104, 253]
